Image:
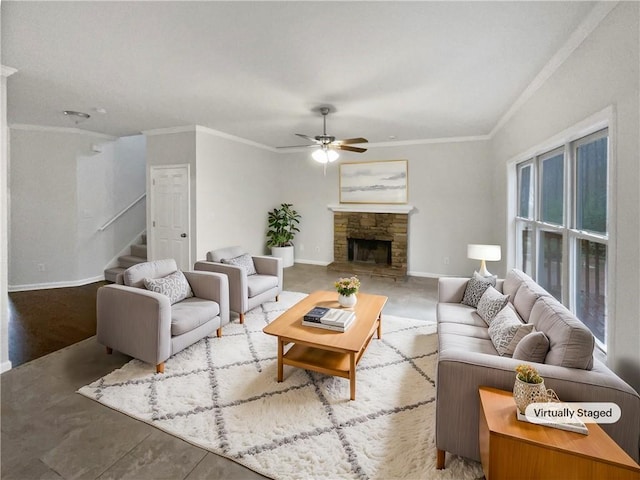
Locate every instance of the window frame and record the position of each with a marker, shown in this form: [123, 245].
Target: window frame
[568, 144]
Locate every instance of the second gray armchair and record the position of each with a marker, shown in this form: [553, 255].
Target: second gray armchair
[253, 279]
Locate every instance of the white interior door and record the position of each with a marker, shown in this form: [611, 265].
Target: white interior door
[170, 221]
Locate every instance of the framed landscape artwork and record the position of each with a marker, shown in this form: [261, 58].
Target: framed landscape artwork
[374, 182]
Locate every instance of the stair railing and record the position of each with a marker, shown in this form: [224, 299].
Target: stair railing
[122, 212]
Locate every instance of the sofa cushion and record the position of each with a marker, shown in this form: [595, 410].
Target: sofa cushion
[134, 276]
[174, 286]
[258, 284]
[570, 341]
[506, 330]
[525, 297]
[476, 286]
[532, 348]
[245, 261]
[191, 313]
[458, 313]
[452, 341]
[512, 282]
[491, 302]
[465, 330]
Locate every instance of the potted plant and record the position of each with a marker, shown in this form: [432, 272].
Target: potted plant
[283, 226]
[347, 289]
[528, 388]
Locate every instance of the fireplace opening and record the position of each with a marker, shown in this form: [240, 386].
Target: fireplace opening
[369, 251]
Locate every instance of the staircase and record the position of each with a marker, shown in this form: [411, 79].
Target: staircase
[137, 255]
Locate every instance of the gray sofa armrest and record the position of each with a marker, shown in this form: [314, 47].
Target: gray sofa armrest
[451, 289]
[266, 265]
[237, 277]
[460, 374]
[134, 321]
[211, 286]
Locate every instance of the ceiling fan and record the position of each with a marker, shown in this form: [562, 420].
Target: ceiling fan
[328, 144]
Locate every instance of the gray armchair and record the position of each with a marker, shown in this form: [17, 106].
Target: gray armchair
[245, 291]
[145, 325]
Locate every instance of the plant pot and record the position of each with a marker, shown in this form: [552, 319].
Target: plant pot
[525, 393]
[347, 301]
[285, 253]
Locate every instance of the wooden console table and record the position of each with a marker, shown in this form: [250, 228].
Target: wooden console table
[511, 449]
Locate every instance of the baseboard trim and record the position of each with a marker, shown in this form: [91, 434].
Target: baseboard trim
[46, 286]
[5, 366]
[425, 274]
[312, 262]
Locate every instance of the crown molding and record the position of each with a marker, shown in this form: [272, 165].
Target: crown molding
[8, 71]
[44, 128]
[595, 17]
[208, 131]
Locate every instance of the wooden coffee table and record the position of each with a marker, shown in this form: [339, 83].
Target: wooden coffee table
[327, 351]
[512, 449]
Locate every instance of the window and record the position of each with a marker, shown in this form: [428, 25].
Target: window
[562, 226]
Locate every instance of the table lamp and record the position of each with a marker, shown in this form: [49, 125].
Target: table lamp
[484, 253]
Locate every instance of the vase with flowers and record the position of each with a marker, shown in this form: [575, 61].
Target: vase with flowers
[347, 288]
[528, 388]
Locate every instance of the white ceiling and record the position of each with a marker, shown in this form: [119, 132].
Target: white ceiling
[412, 70]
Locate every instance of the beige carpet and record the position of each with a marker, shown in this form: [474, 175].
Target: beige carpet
[221, 394]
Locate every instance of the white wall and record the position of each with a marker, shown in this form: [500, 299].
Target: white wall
[602, 72]
[61, 192]
[237, 184]
[450, 187]
[233, 185]
[5, 363]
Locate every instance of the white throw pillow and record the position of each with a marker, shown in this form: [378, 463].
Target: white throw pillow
[175, 286]
[245, 261]
[506, 331]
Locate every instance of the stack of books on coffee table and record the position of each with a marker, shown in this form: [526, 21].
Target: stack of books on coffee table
[329, 318]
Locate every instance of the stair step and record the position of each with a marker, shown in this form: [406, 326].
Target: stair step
[127, 261]
[144, 239]
[139, 251]
[111, 274]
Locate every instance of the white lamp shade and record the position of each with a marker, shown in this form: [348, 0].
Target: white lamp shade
[323, 155]
[491, 253]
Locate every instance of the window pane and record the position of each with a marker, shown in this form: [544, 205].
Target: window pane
[525, 192]
[526, 249]
[591, 186]
[550, 263]
[591, 278]
[552, 190]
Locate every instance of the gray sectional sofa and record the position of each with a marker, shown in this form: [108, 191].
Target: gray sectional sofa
[468, 359]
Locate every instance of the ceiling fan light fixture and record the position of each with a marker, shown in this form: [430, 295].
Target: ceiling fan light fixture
[325, 155]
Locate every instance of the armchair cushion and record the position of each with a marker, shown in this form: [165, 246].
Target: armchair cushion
[257, 284]
[174, 286]
[245, 261]
[191, 313]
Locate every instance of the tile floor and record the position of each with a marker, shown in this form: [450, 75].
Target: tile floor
[50, 432]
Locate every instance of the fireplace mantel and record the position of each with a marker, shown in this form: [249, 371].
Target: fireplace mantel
[371, 207]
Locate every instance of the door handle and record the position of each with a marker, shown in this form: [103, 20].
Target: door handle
[183, 235]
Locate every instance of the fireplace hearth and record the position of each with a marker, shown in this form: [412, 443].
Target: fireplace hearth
[370, 243]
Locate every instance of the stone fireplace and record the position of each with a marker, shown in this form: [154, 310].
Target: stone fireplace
[371, 239]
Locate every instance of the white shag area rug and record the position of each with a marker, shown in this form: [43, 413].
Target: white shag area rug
[221, 394]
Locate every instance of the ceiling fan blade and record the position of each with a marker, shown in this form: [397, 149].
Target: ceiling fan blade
[311, 139]
[300, 146]
[350, 149]
[349, 141]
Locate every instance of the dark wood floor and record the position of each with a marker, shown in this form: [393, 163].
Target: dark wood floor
[43, 321]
